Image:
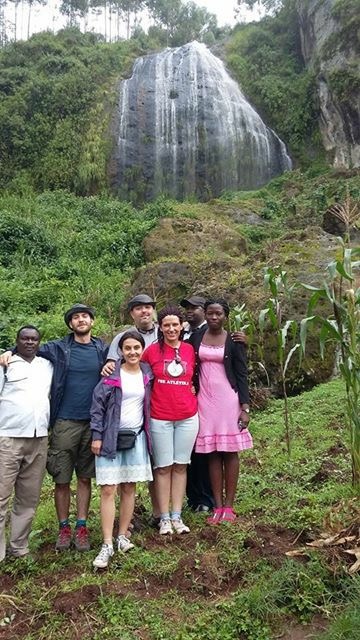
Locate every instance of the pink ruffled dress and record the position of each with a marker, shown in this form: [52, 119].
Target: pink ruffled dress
[219, 407]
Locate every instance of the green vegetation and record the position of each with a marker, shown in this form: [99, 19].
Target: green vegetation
[343, 326]
[232, 582]
[58, 93]
[280, 293]
[70, 249]
[267, 62]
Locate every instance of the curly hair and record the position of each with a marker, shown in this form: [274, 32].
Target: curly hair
[169, 310]
[219, 301]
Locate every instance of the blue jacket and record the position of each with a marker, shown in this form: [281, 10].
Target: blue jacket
[58, 352]
[106, 409]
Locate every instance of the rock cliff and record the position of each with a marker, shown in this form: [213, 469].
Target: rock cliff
[330, 37]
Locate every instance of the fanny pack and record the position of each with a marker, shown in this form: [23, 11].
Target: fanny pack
[126, 438]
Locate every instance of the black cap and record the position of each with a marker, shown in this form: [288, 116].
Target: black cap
[141, 298]
[78, 308]
[195, 301]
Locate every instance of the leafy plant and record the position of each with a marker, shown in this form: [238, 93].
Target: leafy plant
[341, 290]
[273, 312]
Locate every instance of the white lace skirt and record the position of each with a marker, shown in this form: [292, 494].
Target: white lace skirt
[130, 465]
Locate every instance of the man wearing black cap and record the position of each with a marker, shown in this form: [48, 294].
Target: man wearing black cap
[198, 487]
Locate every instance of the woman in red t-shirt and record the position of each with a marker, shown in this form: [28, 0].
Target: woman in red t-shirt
[174, 422]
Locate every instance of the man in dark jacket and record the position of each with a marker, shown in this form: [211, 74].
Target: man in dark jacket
[77, 360]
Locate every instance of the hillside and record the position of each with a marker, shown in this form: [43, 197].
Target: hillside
[258, 577]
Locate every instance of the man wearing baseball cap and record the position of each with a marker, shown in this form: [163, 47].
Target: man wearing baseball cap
[77, 361]
[141, 309]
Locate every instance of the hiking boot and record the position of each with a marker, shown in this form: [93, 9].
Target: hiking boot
[63, 541]
[102, 559]
[81, 539]
[124, 544]
[165, 527]
[179, 526]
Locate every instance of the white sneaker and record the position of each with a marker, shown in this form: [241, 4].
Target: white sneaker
[102, 559]
[124, 544]
[179, 526]
[165, 527]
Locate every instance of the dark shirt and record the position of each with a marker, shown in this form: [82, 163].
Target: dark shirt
[81, 379]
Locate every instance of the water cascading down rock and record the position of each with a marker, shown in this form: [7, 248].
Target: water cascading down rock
[185, 129]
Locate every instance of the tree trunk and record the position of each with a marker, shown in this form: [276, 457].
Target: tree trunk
[29, 19]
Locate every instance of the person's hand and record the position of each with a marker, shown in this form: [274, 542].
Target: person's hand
[244, 419]
[193, 390]
[239, 336]
[5, 358]
[96, 447]
[108, 368]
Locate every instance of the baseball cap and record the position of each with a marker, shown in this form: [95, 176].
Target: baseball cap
[78, 308]
[141, 298]
[195, 301]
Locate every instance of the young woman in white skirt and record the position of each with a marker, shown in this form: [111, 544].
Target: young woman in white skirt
[121, 401]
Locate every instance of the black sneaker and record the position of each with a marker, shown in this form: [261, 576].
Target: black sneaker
[154, 522]
[202, 508]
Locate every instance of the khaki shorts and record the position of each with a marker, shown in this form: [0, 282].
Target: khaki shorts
[70, 450]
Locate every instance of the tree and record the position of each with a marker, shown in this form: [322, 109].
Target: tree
[193, 23]
[16, 5]
[270, 6]
[74, 9]
[3, 32]
[129, 8]
[31, 3]
[166, 13]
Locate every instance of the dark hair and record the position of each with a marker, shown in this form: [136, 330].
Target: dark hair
[28, 326]
[219, 301]
[135, 335]
[169, 310]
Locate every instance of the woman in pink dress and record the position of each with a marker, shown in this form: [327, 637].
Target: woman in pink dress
[223, 403]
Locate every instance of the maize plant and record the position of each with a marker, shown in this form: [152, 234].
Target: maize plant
[273, 315]
[341, 289]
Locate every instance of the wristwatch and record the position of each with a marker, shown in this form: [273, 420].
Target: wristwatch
[246, 410]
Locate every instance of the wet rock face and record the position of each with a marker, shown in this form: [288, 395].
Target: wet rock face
[185, 129]
[335, 57]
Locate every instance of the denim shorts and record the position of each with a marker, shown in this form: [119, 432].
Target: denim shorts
[173, 441]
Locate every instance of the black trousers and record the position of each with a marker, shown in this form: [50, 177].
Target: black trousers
[198, 487]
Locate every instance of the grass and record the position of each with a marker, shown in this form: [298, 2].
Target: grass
[233, 582]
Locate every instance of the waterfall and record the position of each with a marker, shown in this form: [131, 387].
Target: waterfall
[186, 129]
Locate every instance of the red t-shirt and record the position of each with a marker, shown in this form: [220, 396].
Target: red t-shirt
[171, 397]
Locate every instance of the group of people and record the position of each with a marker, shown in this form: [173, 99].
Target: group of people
[165, 395]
